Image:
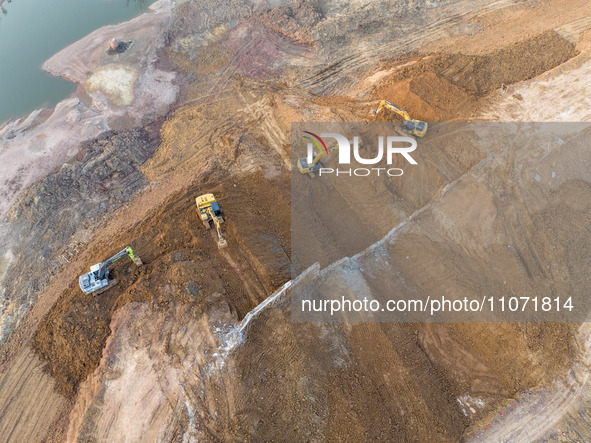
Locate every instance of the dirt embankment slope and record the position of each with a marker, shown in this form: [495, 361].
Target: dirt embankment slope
[443, 87]
[77, 198]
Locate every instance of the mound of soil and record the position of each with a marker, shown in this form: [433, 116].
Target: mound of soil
[446, 86]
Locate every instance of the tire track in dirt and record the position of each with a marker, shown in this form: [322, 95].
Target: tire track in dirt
[30, 406]
[552, 411]
[329, 81]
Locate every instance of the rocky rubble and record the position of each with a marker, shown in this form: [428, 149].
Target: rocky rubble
[76, 198]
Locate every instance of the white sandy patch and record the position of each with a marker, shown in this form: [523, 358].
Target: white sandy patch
[116, 82]
[5, 261]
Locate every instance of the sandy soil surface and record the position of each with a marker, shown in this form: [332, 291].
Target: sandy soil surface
[30, 414]
[179, 350]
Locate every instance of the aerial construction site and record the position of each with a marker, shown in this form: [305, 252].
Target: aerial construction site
[158, 224]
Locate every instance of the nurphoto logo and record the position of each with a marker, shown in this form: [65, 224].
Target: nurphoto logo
[387, 147]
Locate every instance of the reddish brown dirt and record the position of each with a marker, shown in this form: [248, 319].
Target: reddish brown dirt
[440, 87]
[180, 257]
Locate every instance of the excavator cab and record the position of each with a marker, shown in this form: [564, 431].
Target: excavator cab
[307, 168]
[91, 282]
[208, 209]
[415, 127]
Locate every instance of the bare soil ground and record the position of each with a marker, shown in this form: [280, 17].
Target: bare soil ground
[163, 354]
[181, 259]
[444, 87]
[30, 415]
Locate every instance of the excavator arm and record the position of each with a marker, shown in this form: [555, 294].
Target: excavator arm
[322, 153]
[218, 227]
[414, 127]
[104, 266]
[386, 104]
[97, 278]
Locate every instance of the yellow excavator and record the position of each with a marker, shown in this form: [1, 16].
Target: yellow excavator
[414, 127]
[209, 211]
[309, 168]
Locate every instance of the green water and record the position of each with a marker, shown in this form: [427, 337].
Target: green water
[31, 31]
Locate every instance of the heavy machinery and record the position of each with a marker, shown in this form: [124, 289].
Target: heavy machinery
[98, 277]
[310, 168]
[210, 211]
[414, 127]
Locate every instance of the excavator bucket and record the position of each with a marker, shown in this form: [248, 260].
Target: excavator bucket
[136, 259]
